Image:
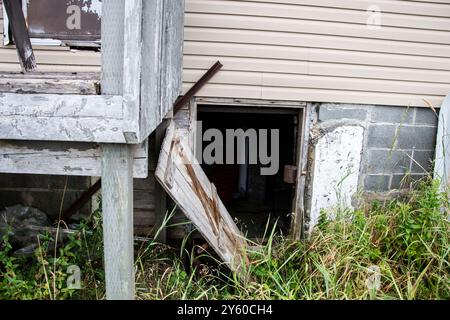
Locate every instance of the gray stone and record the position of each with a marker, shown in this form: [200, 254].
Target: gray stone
[335, 112]
[422, 162]
[388, 161]
[389, 114]
[416, 138]
[426, 116]
[47, 201]
[406, 181]
[381, 136]
[377, 182]
[18, 222]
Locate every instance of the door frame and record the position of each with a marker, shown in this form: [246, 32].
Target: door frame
[299, 205]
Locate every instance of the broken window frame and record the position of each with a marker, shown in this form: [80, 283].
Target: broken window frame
[38, 41]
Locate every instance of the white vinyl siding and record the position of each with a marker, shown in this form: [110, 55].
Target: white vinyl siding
[302, 50]
[321, 50]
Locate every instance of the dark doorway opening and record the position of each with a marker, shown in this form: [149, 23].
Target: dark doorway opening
[257, 202]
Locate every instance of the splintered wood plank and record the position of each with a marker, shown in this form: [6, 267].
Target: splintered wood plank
[56, 83]
[54, 117]
[62, 158]
[184, 180]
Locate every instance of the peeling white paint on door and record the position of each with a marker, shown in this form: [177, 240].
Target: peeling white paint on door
[336, 170]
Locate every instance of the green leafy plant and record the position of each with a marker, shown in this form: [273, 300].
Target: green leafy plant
[401, 245]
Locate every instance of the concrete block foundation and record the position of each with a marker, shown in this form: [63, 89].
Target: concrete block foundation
[360, 149]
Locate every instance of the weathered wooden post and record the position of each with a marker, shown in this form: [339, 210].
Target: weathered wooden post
[121, 42]
[117, 204]
[66, 130]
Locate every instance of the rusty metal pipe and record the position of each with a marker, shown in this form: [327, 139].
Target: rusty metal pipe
[197, 86]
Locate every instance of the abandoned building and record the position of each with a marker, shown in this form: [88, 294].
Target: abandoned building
[352, 89]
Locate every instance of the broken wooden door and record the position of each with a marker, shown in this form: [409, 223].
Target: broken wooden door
[184, 180]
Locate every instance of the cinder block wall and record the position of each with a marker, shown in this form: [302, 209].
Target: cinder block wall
[359, 151]
[398, 141]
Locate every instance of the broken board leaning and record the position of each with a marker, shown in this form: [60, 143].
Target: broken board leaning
[184, 180]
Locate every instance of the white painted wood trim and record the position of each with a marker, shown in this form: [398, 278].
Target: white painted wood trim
[62, 158]
[54, 117]
[151, 71]
[132, 69]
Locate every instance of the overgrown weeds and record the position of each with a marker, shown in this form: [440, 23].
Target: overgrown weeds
[398, 249]
[393, 250]
[53, 274]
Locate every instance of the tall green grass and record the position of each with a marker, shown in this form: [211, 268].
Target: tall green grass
[397, 249]
[405, 241]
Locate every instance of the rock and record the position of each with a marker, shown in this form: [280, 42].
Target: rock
[21, 223]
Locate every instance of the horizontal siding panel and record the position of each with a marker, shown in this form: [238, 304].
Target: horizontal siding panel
[315, 95]
[227, 91]
[315, 27]
[351, 97]
[332, 83]
[437, 9]
[307, 12]
[313, 54]
[317, 68]
[315, 41]
[82, 58]
[15, 67]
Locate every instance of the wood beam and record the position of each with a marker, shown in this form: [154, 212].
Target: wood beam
[56, 117]
[117, 204]
[132, 70]
[62, 158]
[297, 230]
[117, 164]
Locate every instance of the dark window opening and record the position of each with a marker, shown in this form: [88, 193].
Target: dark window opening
[257, 202]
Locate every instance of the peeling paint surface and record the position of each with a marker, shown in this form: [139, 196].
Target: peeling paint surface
[336, 170]
[92, 6]
[78, 20]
